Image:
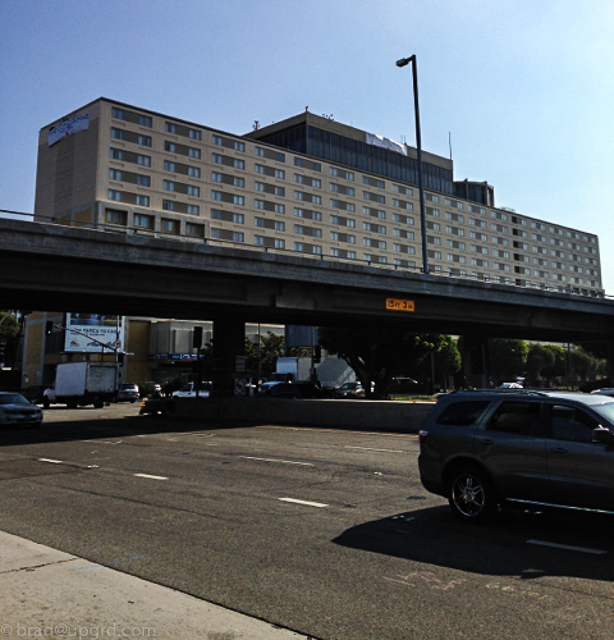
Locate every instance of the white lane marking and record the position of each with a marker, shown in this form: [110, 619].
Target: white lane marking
[146, 475]
[303, 464]
[51, 460]
[347, 446]
[567, 547]
[304, 502]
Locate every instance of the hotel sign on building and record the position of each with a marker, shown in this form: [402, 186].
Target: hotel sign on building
[68, 128]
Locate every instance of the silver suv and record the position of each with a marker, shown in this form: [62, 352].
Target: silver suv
[482, 450]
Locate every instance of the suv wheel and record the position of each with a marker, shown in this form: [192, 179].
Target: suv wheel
[471, 494]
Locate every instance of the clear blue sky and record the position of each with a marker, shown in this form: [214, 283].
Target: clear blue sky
[525, 88]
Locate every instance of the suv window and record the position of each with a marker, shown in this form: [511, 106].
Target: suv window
[463, 414]
[569, 423]
[515, 417]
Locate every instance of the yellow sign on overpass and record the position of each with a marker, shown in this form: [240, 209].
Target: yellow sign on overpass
[395, 304]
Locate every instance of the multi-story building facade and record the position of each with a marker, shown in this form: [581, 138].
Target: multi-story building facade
[307, 185]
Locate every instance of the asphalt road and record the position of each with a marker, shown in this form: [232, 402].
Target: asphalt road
[325, 532]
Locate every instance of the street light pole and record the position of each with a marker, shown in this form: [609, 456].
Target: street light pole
[402, 63]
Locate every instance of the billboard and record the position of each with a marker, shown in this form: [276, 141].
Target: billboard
[86, 331]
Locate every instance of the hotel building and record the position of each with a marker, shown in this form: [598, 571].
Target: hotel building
[307, 186]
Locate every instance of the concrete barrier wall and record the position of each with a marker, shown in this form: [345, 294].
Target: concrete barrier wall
[380, 415]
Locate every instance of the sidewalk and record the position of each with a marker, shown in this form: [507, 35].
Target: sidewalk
[50, 594]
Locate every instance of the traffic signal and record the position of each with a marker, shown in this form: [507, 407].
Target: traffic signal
[197, 338]
[120, 359]
[49, 327]
[317, 356]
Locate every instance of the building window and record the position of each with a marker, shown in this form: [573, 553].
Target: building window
[141, 221]
[171, 147]
[238, 236]
[193, 209]
[114, 174]
[194, 134]
[194, 153]
[238, 218]
[240, 200]
[170, 127]
[142, 201]
[192, 229]
[144, 141]
[168, 185]
[193, 191]
[115, 217]
[194, 172]
[168, 205]
[117, 154]
[115, 195]
[170, 166]
[120, 114]
[169, 226]
[143, 181]
[118, 134]
[144, 161]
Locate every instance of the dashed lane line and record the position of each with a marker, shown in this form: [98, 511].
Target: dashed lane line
[150, 477]
[280, 461]
[567, 547]
[305, 503]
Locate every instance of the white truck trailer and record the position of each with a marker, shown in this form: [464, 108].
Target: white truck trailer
[82, 383]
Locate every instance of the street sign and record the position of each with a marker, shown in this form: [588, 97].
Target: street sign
[396, 304]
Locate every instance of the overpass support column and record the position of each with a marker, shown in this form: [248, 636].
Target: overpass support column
[610, 361]
[228, 344]
[475, 360]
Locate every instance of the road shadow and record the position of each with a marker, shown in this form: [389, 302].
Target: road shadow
[85, 423]
[515, 543]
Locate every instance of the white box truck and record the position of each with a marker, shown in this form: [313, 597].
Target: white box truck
[81, 383]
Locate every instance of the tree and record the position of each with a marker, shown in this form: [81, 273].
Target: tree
[507, 358]
[261, 359]
[539, 358]
[377, 354]
[447, 360]
[555, 373]
[9, 336]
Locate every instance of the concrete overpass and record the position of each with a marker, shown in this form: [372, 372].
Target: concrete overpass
[53, 267]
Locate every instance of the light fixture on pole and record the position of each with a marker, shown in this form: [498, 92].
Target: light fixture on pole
[402, 63]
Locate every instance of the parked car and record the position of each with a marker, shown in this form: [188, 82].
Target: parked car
[127, 393]
[293, 390]
[17, 410]
[606, 391]
[350, 390]
[35, 393]
[264, 387]
[157, 404]
[189, 391]
[482, 450]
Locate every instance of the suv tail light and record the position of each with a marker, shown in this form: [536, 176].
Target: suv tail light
[421, 435]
